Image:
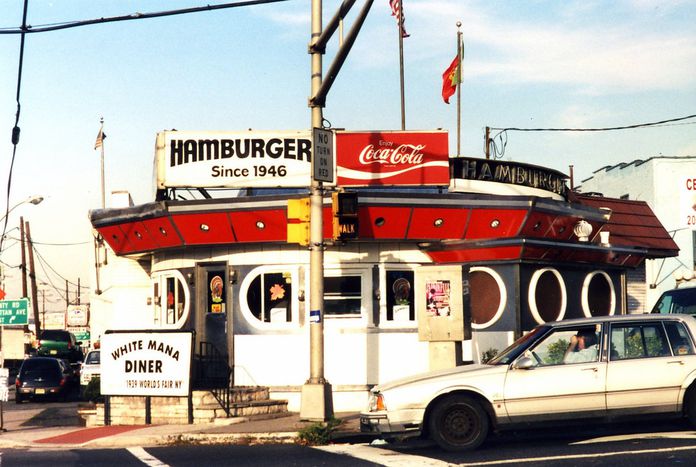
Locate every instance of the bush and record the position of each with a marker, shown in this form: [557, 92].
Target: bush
[488, 355]
[318, 433]
[92, 391]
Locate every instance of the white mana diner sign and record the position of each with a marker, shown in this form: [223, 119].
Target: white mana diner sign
[146, 363]
[233, 159]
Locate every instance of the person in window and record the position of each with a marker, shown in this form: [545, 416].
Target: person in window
[582, 347]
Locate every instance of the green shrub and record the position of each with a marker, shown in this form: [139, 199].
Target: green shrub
[318, 433]
[92, 391]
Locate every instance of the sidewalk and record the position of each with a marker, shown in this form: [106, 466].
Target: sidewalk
[55, 427]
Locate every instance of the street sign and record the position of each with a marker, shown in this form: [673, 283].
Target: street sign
[14, 312]
[323, 155]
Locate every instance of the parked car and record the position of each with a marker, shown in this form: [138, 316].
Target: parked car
[59, 344]
[681, 300]
[592, 368]
[91, 368]
[44, 377]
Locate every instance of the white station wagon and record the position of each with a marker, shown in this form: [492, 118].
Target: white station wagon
[595, 368]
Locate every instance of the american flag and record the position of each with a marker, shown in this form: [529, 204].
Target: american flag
[100, 139]
[397, 12]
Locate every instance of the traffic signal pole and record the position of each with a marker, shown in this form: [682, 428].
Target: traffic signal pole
[317, 401]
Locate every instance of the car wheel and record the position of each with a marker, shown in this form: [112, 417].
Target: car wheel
[18, 399]
[690, 403]
[458, 423]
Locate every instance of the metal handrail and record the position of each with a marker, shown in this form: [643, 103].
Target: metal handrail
[213, 373]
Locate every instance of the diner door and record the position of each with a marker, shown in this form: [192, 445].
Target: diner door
[213, 307]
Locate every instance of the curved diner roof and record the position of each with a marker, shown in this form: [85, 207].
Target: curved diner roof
[449, 227]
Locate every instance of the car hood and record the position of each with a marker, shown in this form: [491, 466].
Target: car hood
[468, 371]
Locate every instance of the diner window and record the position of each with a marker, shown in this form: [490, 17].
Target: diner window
[400, 296]
[269, 297]
[171, 299]
[343, 296]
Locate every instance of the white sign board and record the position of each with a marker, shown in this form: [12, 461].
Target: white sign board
[249, 159]
[146, 363]
[324, 156]
[78, 315]
[4, 390]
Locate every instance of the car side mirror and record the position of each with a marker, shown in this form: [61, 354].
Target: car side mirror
[524, 363]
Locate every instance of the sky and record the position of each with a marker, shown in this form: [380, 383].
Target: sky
[529, 64]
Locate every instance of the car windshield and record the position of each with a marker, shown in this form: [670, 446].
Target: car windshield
[677, 301]
[92, 358]
[55, 336]
[520, 345]
[33, 367]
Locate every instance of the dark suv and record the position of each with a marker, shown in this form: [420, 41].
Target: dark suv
[59, 344]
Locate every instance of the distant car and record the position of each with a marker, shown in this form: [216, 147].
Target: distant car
[681, 300]
[44, 377]
[59, 344]
[593, 368]
[91, 368]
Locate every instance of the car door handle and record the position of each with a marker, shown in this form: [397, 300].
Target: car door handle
[680, 362]
[590, 369]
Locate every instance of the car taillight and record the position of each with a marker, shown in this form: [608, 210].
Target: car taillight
[69, 345]
[62, 381]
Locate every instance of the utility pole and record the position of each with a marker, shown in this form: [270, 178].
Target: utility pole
[317, 402]
[32, 276]
[24, 259]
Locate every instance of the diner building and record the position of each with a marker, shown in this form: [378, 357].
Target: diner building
[445, 261]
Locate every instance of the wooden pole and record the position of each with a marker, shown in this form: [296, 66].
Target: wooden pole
[32, 277]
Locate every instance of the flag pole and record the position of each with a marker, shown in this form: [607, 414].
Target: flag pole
[101, 134]
[459, 87]
[400, 31]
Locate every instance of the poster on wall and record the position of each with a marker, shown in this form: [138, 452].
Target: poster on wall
[146, 363]
[437, 294]
[216, 292]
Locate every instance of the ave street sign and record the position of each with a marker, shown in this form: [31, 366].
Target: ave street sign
[14, 312]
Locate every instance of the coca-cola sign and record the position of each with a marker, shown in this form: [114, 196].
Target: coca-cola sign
[390, 158]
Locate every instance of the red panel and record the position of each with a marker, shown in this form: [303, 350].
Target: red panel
[163, 232]
[114, 236]
[247, 225]
[381, 222]
[423, 221]
[138, 237]
[476, 254]
[538, 224]
[189, 225]
[562, 228]
[509, 223]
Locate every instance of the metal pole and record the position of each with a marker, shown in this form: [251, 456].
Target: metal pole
[459, 88]
[101, 132]
[316, 393]
[400, 30]
[24, 259]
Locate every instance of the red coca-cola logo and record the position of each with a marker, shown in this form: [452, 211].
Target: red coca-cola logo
[404, 154]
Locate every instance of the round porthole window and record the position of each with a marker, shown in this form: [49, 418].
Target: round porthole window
[547, 295]
[487, 298]
[598, 295]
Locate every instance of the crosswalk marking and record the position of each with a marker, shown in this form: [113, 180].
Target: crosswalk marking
[382, 456]
[146, 458]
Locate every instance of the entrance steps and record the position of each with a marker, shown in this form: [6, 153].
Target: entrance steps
[131, 410]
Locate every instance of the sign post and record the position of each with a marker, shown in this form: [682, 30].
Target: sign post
[14, 312]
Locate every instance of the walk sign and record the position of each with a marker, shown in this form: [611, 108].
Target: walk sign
[14, 312]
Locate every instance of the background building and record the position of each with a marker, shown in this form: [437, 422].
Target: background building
[667, 185]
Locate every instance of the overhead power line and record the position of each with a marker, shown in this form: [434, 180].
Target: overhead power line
[131, 17]
[497, 144]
